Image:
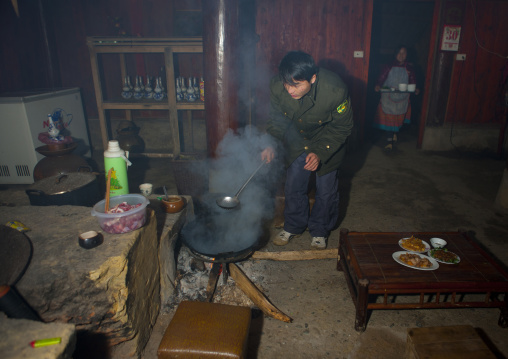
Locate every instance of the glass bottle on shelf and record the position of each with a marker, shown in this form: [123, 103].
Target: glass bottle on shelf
[162, 74]
[148, 88]
[141, 86]
[127, 88]
[191, 95]
[184, 88]
[161, 83]
[138, 94]
[163, 87]
[157, 92]
[179, 94]
[195, 85]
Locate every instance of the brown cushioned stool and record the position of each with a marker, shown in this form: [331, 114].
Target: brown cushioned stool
[206, 330]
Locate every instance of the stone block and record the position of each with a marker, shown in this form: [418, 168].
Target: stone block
[112, 289]
[17, 334]
[169, 226]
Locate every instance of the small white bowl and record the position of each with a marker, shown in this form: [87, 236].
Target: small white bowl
[146, 189]
[438, 242]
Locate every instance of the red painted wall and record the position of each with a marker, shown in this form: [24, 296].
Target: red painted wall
[477, 91]
[46, 47]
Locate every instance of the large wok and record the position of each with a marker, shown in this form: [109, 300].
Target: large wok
[223, 234]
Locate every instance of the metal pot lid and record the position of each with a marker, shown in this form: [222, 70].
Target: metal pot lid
[62, 183]
[15, 254]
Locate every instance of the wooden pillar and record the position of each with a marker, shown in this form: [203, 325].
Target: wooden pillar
[452, 13]
[220, 44]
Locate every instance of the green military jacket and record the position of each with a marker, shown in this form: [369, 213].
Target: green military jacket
[319, 122]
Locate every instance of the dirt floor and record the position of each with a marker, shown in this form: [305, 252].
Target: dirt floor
[405, 190]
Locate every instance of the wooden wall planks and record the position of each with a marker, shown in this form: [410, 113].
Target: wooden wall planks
[476, 90]
[329, 30]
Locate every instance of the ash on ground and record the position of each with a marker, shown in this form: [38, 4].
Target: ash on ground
[193, 276]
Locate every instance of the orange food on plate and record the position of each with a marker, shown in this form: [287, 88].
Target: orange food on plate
[415, 260]
[413, 244]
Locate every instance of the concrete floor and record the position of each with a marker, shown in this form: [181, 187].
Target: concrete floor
[405, 190]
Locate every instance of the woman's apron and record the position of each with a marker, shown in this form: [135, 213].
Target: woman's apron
[394, 103]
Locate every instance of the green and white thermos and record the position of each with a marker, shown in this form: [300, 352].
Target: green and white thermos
[116, 158]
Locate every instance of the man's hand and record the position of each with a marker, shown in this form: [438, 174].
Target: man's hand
[311, 162]
[377, 88]
[268, 154]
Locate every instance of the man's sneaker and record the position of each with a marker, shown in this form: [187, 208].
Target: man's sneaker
[283, 238]
[318, 242]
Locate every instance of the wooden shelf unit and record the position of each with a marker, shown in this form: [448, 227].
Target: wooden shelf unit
[129, 45]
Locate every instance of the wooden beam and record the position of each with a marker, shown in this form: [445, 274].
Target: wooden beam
[298, 255]
[255, 294]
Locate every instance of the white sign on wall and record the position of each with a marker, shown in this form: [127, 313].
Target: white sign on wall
[451, 37]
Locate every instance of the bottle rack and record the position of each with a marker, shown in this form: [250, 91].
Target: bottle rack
[168, 47]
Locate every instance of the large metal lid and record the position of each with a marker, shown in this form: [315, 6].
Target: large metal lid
[63, 183]
[15, 254]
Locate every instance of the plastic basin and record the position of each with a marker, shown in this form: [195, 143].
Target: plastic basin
[121, 222]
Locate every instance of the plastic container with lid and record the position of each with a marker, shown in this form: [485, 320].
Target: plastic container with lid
[121, 222]
[115, 158]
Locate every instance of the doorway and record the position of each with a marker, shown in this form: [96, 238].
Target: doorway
[394, 23]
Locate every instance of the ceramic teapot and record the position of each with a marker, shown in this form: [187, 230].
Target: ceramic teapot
[128, 137]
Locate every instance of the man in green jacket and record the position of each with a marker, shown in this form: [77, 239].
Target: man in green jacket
[311, 115]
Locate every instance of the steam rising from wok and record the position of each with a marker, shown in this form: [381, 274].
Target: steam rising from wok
[216, 230]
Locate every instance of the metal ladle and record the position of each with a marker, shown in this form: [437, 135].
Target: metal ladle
[231, 202]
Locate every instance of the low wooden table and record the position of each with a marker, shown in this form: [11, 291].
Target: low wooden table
[375, 279]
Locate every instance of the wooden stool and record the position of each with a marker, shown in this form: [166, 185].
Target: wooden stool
[206, 330]
[452, 342]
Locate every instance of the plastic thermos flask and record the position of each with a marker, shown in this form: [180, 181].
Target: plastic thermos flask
[116, 159]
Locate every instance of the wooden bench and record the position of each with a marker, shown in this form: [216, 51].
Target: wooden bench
[450, 342]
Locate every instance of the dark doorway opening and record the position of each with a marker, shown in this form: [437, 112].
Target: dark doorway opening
[394, 23]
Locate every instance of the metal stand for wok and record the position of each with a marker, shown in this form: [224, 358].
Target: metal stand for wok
[238, 257]
[215, 271]
[212, 280]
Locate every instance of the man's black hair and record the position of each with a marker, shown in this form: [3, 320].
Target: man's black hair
[297, 66]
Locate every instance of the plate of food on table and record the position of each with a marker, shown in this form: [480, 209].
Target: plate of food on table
[415, 260]
[443, 255]
[414, 244]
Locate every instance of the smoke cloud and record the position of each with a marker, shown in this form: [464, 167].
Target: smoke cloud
[218, 231]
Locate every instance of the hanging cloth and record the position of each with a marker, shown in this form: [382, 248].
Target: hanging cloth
[394, 103]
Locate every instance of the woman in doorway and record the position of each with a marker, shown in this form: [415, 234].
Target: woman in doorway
[394, 108]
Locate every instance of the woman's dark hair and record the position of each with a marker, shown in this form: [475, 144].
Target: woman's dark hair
[297, 66]
[398, 48]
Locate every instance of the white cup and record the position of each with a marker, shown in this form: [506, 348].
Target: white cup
[146, 189]
[402, 87]
[411, 87]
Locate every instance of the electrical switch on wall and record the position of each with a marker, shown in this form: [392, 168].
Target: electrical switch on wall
[461, 57]
[358, 54]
